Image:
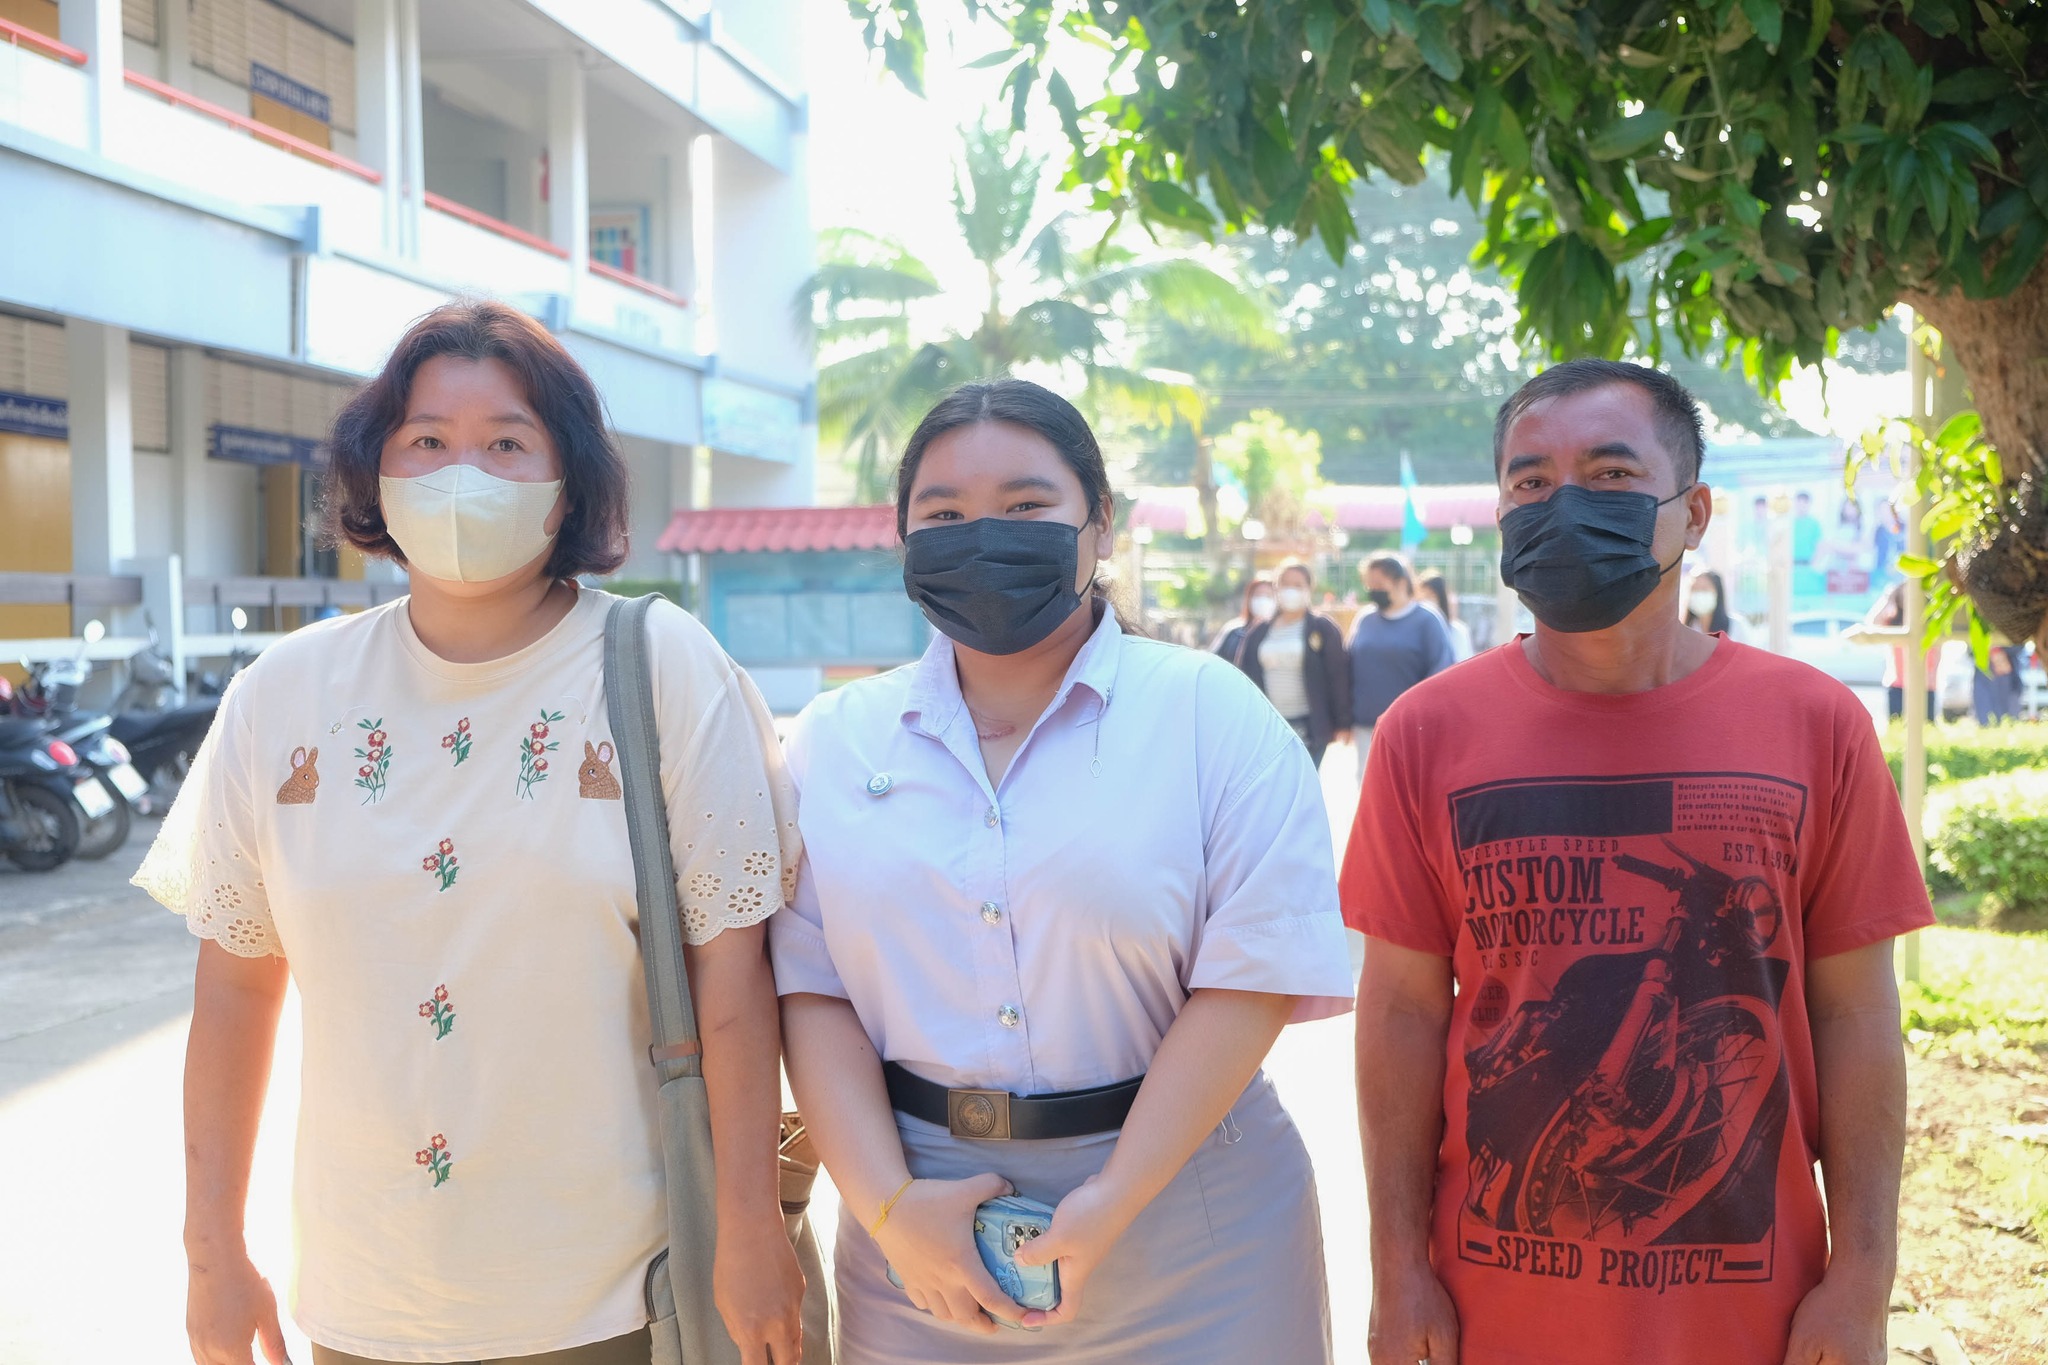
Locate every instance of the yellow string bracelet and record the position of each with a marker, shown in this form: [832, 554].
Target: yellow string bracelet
[883, 1216]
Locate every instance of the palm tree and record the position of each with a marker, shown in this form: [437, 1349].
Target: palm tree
[1085, 314]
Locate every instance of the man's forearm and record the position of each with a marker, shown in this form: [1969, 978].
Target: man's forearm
[1400, 1121]
[742, 1040]
[1861, 1064]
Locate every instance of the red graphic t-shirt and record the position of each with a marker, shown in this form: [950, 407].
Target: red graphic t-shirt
[1629, 888]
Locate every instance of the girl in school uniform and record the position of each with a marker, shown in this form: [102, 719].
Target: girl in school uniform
[1064, 886]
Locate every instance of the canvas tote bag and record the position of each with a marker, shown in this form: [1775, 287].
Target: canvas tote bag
[685, 1322]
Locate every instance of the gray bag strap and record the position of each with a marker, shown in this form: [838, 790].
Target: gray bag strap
[636, 735]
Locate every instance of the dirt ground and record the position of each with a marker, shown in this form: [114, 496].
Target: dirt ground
[1977, 1267]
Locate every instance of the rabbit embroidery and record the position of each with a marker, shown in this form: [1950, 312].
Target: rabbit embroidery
[594, 779]
[298, 789]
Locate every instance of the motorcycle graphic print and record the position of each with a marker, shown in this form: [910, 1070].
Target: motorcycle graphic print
[1628, 1090]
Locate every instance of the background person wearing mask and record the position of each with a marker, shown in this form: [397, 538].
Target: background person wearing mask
[1436, 595]
[1298, 660]
[1393, 647]
[1259, 605]
[1706, 608]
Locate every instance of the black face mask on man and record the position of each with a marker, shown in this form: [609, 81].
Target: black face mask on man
[995, 585]
[1582, 561]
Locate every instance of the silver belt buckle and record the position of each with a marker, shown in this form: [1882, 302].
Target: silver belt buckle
[983, 1115]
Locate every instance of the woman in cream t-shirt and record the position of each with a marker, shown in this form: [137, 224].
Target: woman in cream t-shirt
[415, 813]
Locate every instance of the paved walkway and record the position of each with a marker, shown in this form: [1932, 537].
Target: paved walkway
[95, 997]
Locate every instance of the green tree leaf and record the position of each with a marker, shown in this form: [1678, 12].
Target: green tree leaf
[1628, 136]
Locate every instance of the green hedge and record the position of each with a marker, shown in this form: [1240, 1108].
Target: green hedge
[1991, 835]
[1959, 753]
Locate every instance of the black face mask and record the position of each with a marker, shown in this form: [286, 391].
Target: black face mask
[994, 585]
[1580, 560]
[1380, 598]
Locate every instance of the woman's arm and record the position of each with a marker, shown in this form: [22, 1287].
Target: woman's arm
[1204, 1063]
[928, 1234]
[756, 1281]
[236, 1001]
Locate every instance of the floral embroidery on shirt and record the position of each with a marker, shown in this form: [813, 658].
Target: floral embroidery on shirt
[439, 1011]
[759, 863]
[298, 789]
[457, 740]
[376, 756]
[533, 752]
[436, 1157]
[442, 863]
[594, 780]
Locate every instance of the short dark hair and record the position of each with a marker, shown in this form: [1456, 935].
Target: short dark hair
[1020, 403]
[1390, 564]
[595, 481]
[1296, 566]
[1432, 582]
[1679, 422]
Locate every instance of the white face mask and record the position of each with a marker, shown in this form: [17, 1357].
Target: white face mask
[1703, 604]
[465, 525]
[1262, 608]
[1293, 599]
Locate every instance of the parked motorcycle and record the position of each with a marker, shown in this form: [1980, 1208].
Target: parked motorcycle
[161, 733]
[111, 785]
[39, 813]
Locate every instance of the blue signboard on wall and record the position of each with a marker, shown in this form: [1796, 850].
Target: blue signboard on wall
[275, 85]
[33, 416]
[245, 446]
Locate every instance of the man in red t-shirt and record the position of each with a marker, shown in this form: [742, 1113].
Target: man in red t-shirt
[1629, 891]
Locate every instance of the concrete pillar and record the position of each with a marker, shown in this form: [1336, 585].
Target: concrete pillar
[174, 44]
[189, 539]
[761, 254]
[102, 449]
[388, 116]
[94, 27]
[703, 192]
[661, 477]
[678, 248]
[569, 161]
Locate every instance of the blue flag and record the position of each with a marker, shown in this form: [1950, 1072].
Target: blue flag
[1413, 532]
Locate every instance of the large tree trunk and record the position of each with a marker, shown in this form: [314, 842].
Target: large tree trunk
[2002, 345]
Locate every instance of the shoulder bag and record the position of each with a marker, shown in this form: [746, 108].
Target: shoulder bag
[684, 1320]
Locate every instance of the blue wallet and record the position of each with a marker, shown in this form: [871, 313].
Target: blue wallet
[1000, 1227]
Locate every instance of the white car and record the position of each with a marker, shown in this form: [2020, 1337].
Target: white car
[1817, 639]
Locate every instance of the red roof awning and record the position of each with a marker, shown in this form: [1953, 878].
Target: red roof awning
[762, 530]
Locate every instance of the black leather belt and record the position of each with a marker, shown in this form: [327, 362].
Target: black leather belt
[998, 1116]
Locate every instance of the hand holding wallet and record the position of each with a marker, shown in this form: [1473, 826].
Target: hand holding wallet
[1000, 1227]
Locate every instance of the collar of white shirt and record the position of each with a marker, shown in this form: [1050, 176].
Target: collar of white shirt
[934, 700]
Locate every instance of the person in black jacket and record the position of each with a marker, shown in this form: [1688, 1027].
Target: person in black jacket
[1299, 662]
[1258, 606]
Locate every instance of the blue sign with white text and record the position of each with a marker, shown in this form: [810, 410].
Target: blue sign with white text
[245, 446]
[33, 416]
[275, 85]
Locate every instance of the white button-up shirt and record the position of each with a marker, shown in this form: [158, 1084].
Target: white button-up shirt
[1159, 831]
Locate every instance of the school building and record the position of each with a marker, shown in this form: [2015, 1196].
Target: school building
[217, 215]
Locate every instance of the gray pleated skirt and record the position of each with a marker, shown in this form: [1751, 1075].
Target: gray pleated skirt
[1224, 1267]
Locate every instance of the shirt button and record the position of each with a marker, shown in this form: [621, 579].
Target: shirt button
[1009, 1015]
[991, 912]
[993, 818]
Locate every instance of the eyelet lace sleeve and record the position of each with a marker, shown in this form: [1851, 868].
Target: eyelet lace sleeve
[732, 810]
[203, 862]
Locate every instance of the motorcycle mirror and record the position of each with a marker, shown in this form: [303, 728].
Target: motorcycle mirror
[94, 632]
[240, 618]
